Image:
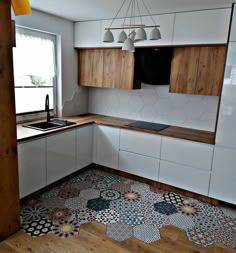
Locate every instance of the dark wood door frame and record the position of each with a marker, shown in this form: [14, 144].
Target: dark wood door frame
[9, 186]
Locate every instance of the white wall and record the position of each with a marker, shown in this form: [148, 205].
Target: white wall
[156, 104]
[72, 98]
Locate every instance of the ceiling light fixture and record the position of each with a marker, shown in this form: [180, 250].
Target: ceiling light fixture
[132, 14]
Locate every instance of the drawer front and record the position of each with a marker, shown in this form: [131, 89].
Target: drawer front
[139, 165]
[140, 143]
[184, 177]
[194, 154]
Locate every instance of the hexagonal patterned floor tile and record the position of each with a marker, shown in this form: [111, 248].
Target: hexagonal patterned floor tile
[76, 203]
[147, 233]
[190, 209]
[228, 224]
[140, 188]
[66, 228]
[131, 217]
[173, 198]
[53, 202]
[69, 192]
[121, 187]
[229, 212]
[213, 211]
[152, 197]
[119, 232]
[120, 205]
[89, 194]
[59, 214]
[225, 237]
[107, 216]
[201, 237]
[84, 215]
[131, 196]
[34, 213]
[98, 204]
[38, 228]
[143, 207]
[110, 195]
[156, 219]
[207, 223]
[165, 208]
[181, 221]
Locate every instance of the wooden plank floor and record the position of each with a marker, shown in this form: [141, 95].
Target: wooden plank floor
[92, 238]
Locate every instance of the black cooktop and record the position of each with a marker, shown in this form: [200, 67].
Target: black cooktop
[148, 125]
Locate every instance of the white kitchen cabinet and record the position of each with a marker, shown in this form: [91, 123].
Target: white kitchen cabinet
[166, 23]
[223, 177]
[140, 143]
[106, 141]
[233, 27]
[139, 165]
[184, 177]
[61, 155]
[87, 34]
[193, 154]
[32, 166]
[84, 146]
[226, 129]
[202, 27]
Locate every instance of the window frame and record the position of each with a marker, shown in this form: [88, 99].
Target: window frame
[33, 115]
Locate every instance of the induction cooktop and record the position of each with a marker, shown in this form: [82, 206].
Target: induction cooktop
[148, 125]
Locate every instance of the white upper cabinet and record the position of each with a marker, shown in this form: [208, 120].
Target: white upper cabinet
[166, 23]
[88, 34]
[32, 166]
[233, 27]
[223, 175]
[226, 129]
[202, 27]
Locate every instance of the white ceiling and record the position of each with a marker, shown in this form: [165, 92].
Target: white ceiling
[78, 10]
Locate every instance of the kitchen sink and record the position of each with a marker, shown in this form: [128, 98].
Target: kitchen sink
[49, 125]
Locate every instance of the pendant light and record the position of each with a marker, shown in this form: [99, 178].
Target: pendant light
[132, 14]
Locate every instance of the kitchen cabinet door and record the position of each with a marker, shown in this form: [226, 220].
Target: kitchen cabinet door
[226, 128]
[233, 27]
[87, 34]
[202, 27]
[223, 177]
[61, 155]
[90, 67]
[139, 165]
[32, 166]
[198, 70]
[84, 146]
[106, 146]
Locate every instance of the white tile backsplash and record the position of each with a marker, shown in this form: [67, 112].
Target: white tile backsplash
[156, 104]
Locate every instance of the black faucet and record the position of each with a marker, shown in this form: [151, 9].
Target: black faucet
[47, 107]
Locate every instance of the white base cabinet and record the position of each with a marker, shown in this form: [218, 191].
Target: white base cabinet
[223, 178]
[139, 165]
[184, 177]
[32, 166]
[61, 155]
[106, 150]
[84, 146]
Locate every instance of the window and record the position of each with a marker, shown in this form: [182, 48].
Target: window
[34, 70]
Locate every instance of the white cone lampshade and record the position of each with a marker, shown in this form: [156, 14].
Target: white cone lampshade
[122, 37]
[132, 35]
[108, 36]
[141, 35]
[128, 45]
[155, 34]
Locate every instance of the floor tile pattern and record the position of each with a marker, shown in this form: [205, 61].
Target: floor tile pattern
[128, 209]
[147, 233]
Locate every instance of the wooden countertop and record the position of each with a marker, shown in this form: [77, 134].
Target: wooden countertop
[24, 134]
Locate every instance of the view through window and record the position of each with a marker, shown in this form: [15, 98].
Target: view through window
[34, 70]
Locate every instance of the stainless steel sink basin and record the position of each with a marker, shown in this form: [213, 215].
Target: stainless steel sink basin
[49, 125]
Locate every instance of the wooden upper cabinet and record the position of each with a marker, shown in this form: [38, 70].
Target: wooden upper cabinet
[91, 67]
[198, 70]
[107, 68]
